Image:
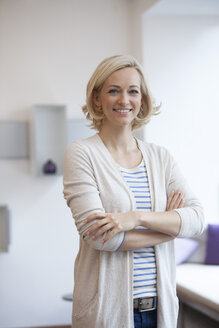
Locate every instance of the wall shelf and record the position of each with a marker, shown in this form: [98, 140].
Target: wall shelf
[45, 136]
[48, 137]
[14, 141]
[14, 137]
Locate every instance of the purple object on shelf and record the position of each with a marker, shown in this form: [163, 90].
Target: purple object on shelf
[49, 167]
[212, 250]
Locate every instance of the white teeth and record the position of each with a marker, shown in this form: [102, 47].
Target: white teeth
[122, 110]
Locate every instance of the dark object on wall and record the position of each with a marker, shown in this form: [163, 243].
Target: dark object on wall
[49, 167]
[4, 229]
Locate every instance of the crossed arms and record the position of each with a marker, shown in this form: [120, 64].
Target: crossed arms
[163, 226]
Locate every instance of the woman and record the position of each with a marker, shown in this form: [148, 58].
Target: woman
[125, 199]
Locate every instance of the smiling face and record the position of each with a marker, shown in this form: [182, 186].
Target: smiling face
[120, 97]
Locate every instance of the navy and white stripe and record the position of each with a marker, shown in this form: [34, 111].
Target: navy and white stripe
[144, 272]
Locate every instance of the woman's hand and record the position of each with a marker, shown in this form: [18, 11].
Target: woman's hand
[111, 223]
[175, 200]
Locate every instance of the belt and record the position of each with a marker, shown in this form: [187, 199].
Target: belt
[145, 304]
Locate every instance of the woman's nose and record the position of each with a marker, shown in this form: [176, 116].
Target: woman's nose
[123, 99]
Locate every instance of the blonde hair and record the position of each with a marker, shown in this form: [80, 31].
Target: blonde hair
[107, 67]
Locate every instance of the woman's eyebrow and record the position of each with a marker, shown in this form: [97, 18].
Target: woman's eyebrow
[113, 86]
[134, 86]
[117, 86]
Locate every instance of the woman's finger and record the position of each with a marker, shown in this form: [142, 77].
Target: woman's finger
[174, 200]
[95, 216]
[102, 230]
[179, 200]
[98, 224]
[109, 235]
[182, 203]
[170, 199]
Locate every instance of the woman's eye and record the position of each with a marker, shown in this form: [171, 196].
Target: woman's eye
[113, 91]
[134, 91]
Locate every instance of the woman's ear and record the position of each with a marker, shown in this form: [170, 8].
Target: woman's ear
[96, 98]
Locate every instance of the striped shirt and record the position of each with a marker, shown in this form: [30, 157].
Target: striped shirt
[144, 273]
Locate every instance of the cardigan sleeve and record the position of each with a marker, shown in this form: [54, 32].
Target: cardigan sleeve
[192, 214]
[83, 197]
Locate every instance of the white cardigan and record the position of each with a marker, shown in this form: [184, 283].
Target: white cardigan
[103, 276]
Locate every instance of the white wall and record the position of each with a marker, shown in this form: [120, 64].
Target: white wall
[38, 269]
[49, 48]
[138, 7]
[181, 61]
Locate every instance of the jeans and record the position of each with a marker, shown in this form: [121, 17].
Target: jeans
[147, 319]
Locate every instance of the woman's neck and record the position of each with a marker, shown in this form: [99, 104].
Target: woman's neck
[118, 140]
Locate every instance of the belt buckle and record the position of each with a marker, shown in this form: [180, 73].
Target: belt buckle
[146, 304]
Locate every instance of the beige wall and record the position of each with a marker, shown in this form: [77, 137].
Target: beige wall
[49, 48]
